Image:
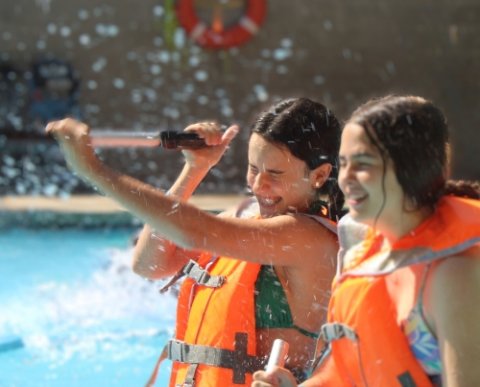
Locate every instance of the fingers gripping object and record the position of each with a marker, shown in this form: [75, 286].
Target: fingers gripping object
[277, 355]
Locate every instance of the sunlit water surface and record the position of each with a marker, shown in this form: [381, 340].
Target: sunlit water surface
[72, 312]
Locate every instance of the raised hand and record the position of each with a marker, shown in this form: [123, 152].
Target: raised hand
[217, 140]
[74, 139]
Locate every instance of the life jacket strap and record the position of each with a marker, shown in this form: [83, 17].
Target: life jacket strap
[153, 377]
[190, 377]
[238, 360]
[179, 274]
[335, 331]
[201, 276]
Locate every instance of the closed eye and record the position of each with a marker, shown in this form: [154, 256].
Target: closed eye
[271, 172]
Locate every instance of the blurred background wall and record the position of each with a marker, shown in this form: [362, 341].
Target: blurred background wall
[135, 68]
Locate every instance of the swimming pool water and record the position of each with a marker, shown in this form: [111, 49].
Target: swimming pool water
[73, 313]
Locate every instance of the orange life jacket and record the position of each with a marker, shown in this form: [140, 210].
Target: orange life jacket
[215, 340]
[215, 336]
[367, 345]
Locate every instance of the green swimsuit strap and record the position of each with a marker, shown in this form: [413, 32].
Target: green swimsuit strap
[271, 306]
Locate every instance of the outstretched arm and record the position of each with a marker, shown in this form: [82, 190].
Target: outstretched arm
[279, 240]
[154, 256]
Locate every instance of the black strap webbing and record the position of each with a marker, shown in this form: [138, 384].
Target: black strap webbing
[238, 360]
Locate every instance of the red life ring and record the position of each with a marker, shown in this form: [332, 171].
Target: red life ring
[233, 36]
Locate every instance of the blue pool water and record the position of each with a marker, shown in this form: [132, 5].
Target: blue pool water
[73, 314]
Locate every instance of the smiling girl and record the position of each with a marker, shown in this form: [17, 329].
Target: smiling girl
[250, 279]
[403, 308]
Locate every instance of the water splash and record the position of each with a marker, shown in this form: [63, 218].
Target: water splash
[112, 311]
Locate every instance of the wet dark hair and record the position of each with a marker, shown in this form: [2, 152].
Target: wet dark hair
[311, 133]
[413, 133]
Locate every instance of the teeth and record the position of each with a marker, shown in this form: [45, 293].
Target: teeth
[267, 201]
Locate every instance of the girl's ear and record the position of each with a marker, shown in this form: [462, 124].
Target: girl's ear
[319, 175]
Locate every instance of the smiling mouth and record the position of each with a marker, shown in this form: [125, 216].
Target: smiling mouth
[268, 202]
[355, 200]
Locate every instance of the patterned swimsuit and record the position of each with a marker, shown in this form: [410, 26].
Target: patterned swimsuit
[423, 342]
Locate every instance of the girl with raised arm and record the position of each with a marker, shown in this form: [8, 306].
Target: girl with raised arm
[251, 275]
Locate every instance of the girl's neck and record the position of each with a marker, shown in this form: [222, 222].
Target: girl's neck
[395, 229]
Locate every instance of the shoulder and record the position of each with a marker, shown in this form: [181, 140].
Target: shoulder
[314, 222]
[455, 286]
[319, 234]
[458, 268]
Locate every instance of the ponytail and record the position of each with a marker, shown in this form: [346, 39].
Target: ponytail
[462, 188]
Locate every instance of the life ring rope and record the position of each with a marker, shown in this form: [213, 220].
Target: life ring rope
[198, 31]
[249, 25]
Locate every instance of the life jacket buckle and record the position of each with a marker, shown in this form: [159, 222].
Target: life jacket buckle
[201, 276]
[336, 331]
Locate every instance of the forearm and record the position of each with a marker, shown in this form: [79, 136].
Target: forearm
[187, 181]
[154, 256]
[163, 213]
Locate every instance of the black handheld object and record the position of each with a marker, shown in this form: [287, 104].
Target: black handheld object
[170, 139]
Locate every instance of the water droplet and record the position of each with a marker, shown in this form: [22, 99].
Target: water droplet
[155, 69]
[99, 64]
[50, 190]
[281, 54]
[194, 61]
[92, 85]
[282, 69]
[41, 45]
[51, 28]
[319, 79]
[201, 75]
[260, 92]
[179, 38]
[390, 67]
[158, 10]
[227, 111]
[286, 43]
[65, 31]
[83, 14]
[164, 56]
[347, 53]
[112, 30]
[202, 99]
[84, 40]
